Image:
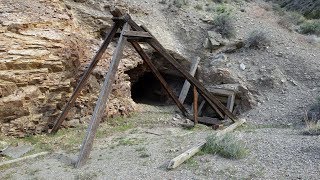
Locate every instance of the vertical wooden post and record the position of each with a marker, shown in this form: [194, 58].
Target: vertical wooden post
[186, 85]
[230, 103]
[195, 105]
[85, 77]
[102, 100]
[213, 101]
[156, 72]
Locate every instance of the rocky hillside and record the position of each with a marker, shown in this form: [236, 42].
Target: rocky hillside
[310, 8]
[46, 45]
[44, 49]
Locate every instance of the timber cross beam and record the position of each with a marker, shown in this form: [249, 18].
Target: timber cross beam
[133, 33]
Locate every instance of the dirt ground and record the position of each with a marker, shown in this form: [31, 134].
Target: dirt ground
[144, 150]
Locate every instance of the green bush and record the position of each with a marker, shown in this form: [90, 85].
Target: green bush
[257, 39]
[310, 27]
[223, 24]
[228, 147]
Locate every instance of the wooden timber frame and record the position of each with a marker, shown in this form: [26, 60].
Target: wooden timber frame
[135, 34]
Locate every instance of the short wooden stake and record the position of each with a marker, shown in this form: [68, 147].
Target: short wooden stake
[195, 105]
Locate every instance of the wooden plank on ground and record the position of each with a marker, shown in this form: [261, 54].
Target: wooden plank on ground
[208, 120]
[186, 85]
[156, 72]
[85, 77]
[102, 100]
[23, 158]
[175, 162]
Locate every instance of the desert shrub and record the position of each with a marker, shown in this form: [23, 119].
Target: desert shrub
[223, 24]
[180, 3]
[312, 128]
[198, 7]
[163, 1]
[310, 27]
[277, 8]
[257, 39]
[312, 118]
[228, 146]
[223, 8]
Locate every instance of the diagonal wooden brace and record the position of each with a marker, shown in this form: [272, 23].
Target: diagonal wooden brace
[212, 100]
[102, 100]
[85, 77]
[156, 72]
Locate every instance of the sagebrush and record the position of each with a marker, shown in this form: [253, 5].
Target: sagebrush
[223, 24]
[310, 27]
[228, 146]
[257, 39]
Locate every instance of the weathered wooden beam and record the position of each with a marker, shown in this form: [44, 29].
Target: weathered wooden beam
[195, 105]
[175, 162]
[230, 103]
[156, 72]
[131, 35]
[212, 100]
[23, 158]
[186, 85]
[141, 34]
[85, 77]
[207, 120]
[102, 100]
[115, 12]
[201, 107]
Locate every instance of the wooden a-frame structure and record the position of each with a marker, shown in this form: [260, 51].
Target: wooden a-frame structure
[135, 34]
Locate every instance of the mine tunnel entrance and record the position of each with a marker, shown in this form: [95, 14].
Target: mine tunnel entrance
[147, 89]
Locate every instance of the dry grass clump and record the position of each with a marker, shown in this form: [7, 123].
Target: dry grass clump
[223, 24]
[312, 127]
[228, 146]
[312, 119]
[257, 39]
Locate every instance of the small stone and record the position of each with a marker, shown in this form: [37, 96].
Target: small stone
[218, 59]
[242, 66]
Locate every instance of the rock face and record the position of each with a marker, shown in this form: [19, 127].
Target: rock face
[43, 52]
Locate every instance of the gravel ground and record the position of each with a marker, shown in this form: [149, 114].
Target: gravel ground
[144, 152]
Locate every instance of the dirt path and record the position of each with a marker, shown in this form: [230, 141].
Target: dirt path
[143, 153]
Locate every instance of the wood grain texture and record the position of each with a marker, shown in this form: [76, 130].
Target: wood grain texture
[102, 100]
[85, 77]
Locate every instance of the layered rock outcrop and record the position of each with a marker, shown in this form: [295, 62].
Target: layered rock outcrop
[43, 52]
